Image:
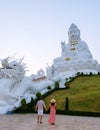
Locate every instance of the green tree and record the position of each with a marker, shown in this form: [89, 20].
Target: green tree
[56, 85]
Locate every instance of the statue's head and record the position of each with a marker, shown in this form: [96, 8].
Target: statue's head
[74, 34]
[12, 69]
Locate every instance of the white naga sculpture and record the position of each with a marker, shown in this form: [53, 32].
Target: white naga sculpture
[13, 84]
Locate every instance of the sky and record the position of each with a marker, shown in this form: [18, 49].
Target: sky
[34, 29]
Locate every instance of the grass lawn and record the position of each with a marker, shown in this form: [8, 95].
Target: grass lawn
[83, 95]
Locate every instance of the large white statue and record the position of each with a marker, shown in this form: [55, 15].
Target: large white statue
[75, 56]
[76, 49]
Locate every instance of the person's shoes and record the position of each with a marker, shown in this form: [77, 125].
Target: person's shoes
[52, 123]
[41, 122]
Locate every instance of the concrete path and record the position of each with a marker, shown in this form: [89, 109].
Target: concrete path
[63, 122]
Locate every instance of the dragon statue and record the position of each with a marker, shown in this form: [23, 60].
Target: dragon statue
[13, 84]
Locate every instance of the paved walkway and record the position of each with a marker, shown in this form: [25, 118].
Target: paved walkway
[63, 122]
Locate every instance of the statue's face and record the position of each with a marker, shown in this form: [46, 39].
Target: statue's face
[73, 33]
[16, 66]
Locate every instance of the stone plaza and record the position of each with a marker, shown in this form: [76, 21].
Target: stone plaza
[63, 122]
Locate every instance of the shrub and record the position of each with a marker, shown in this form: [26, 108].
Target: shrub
[23, 102]
[66, 79]
[56, 85]
[38, 95]
[24, 106]
[98, 73]
[82, 73]
[31, 106]
[32, 103]
[49, 87]
[90, 73]
[67, 84]
[78, 73]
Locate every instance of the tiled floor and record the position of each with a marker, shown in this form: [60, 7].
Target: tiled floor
[29, 122]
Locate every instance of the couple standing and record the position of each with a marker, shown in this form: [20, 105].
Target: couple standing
[40, 106]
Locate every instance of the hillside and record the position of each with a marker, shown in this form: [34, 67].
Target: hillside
[83, 95]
